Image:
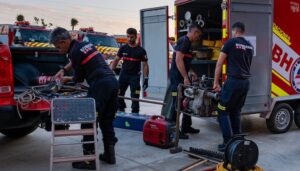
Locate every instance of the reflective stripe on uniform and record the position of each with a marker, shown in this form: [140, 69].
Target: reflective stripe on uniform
[174, 94]
[89, 57]
[188, 56]
[221, 107]
[137, 91]
[131, 59]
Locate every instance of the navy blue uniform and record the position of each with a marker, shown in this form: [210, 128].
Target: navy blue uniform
[131, 73]
[183, 45]
[234, 91]
[103, 87]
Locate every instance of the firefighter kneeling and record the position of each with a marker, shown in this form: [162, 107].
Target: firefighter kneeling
[88, 64]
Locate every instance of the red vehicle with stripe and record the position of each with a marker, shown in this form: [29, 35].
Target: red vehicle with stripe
[22, 33]
[273, 30]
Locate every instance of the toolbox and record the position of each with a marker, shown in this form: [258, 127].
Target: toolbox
[131, 121]
[159, 132]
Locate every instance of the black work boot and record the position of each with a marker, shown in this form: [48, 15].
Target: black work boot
[87, 165]
[109, 154]
[191, 130]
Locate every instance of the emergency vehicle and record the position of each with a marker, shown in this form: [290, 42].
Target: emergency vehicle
[22, 33]
[271, 27]
[104, 43]
[121, 39]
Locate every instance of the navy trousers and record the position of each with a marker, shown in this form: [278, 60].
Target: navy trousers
[232, 99]
[105, 93]
[132, 80]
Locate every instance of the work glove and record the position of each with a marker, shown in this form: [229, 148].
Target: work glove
[145, 85]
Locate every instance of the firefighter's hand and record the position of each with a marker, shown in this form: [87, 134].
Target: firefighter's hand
[145, 84]
[66, 79]
[216, 87]
[60, 74]
[186, 81]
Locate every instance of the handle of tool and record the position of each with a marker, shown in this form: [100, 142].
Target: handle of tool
[142, 100]
[178, 109]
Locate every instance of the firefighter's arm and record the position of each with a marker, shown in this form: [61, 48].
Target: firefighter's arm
[181, 67]
[221, 61]
[115, 62]
[63, 70]
[146, 69]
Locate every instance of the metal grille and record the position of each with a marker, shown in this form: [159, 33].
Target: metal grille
[73, 110]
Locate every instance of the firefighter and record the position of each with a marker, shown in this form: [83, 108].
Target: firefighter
[133, 55]
[181, 63]
[88, 64]
[238, 53]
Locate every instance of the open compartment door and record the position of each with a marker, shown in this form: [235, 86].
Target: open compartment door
[257, 15]
[154, 38]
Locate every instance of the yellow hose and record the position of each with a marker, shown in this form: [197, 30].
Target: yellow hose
[221, 168]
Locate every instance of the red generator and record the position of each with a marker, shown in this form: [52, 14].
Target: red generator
[159, 132]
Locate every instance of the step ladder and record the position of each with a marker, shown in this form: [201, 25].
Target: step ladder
[73, 111]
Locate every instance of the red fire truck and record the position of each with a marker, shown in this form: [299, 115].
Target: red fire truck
[22, 33]
[272, 29]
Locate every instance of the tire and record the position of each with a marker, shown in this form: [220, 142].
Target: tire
[281, 118]
[297, 116]
[19, 132]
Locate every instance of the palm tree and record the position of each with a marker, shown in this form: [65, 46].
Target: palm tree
[36, 20]
[20, 17]
[74, 22]
[43, 22]
[50, 25]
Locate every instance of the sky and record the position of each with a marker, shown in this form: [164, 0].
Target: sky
[110, 16]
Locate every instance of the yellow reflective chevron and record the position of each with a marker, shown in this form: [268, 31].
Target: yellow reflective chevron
[277, 90]
[174, 94]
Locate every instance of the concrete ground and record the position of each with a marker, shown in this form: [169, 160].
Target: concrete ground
[31, 153]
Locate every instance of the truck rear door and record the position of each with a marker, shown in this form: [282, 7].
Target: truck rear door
[258, 18]
[154, 38]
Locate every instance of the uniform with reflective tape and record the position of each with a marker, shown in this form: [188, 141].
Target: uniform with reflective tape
[234, 91]
[131, 73]
[183, 45]
[103, 87]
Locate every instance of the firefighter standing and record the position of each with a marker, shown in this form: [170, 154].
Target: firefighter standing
[103, 87]
[132, 55]
[180, 67]
[238, 52]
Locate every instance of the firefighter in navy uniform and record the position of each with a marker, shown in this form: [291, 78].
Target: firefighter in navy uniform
[180, 67]
[88, 64]
[238, 52]
[133, 55]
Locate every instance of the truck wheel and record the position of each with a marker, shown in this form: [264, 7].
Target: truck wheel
[281, 118]
[19, 132]
[297, 116]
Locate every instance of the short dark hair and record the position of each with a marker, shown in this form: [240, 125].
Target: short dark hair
[195, 25]
[58, 34]
[131, 31]
[239, 26]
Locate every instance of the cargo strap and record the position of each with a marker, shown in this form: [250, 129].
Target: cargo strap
[87, 59]
[131, 59]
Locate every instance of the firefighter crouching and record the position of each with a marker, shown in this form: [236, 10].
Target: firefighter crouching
[133, 55]
[180, 67]
[103, 87]
[238, 52]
